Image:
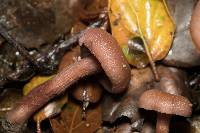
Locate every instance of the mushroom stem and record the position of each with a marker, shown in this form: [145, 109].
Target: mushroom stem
[195, 26]
[163, 121]
[43, 93]
[167, 104]
[108, 56]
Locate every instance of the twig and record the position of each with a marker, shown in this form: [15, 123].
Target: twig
[16, 44]
[44, 63]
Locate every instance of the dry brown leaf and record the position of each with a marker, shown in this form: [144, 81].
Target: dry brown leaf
[70, 120]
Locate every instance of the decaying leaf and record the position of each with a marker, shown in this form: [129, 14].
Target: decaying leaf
[183, 52]
[70, 120]
[147, 19]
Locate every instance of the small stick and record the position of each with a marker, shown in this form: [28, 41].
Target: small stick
[16, 44]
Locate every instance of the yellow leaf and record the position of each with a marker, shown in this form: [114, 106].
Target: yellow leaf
[148, 19]
[34, 82]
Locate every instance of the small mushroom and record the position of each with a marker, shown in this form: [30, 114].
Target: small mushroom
[87, 91]
[108, 56]
[166, 104]
[195, 26]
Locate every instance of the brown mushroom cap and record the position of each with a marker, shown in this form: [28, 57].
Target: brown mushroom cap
[165, 103]
[105, 48]
[87, 91]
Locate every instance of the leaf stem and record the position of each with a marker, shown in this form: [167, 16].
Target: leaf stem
[152, 63]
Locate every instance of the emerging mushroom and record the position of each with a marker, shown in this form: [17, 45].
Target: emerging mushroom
[108, 56]
[166, 105]
[89, 92]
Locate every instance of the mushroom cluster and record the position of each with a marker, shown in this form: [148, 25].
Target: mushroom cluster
[106, 56]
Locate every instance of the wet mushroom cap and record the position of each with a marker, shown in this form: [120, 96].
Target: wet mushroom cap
[165, 103]
[105, 48]
[87, 91]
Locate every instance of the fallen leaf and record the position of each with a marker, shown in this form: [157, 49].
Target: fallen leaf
[34, 82]
[70, 120]
[147, 19]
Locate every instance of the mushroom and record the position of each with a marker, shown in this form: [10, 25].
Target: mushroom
[107, 57]
[195, 25]
[87, 92]
[167, 105]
